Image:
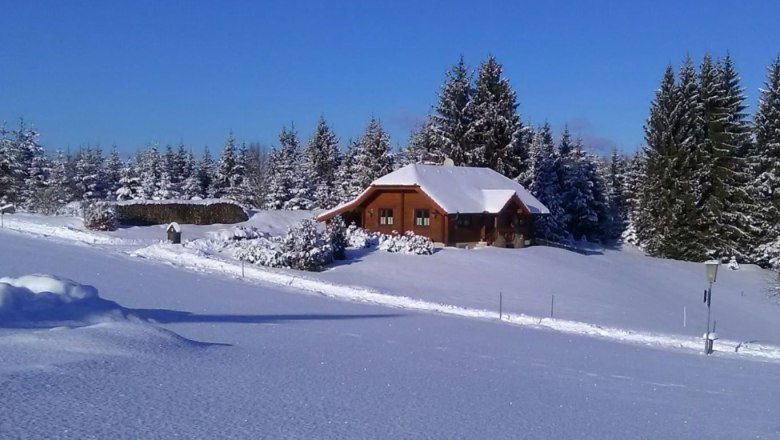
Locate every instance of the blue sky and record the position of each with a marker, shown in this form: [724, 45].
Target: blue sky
[133, 72]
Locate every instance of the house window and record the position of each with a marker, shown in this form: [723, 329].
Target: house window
[422, 217]
[464, 221]
[385, 216]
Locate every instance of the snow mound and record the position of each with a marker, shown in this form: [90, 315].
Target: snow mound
[46, 300]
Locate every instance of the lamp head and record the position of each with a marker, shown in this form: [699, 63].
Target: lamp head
[712, 270]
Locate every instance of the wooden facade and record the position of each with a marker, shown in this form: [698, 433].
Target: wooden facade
[398, 209]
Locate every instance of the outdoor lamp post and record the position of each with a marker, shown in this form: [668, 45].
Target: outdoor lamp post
[712, 275]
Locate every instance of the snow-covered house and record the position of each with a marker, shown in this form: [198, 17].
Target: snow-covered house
[451, 205]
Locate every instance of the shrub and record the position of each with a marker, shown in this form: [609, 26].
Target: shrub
[261, 251]
[360, 238]
[409, 243]
[303, 248]
[337, 236]
[99, 216]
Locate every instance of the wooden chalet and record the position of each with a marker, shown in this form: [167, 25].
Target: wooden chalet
[455, 206]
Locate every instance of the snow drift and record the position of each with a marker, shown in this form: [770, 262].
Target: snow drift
[47, 300]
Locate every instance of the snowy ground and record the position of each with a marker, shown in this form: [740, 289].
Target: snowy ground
[215, 356]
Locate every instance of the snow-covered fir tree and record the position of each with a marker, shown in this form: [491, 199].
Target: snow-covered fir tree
[373, 157]
[423, 147]
[113, 172]
[544, 184]
[286, 185]
[89, 178]
[347, 186]
[578, 202]
[150, 167]
[766, 167]
[205, 174]
[229, 172]
[452, 119]
[321, 159]
[496, 130]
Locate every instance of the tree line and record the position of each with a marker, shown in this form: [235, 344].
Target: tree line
[706, 183]
[703, 186]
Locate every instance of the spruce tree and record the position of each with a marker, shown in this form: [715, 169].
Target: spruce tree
[205, 174]
[286, 185]
[766, 166]
[113, 173]
[347, 186]
[544, 185]
[321, 158]
[373, 158]
[226, 167]
[423, 147]
[452, 119]
[496, 130]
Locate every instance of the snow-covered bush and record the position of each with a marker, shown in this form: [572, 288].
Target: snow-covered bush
[408, 243]
[261, 251]
[768, 255]
[337, 236]
[303, 248]
[99, 216]
[72, 209]
[360, 238]
[238, 233]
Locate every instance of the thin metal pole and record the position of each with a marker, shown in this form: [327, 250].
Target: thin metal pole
[685, 317]
[552, 306]
[500, 306]
[709, 310]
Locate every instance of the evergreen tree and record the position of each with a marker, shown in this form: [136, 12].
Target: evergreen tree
[88, 178]
[724, 200]
[150, 175]
[348, 186]
[766, 165]
[129, 183]
[205, 174]
[286, 186]
[452, 120]
[226, 173]
[423, 147]
[113, 173]
[496, 130]
[544, 184]
[373, 158]
[578, 202]
[321, 160]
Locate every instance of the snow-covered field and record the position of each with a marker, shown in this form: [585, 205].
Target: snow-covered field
[183, 347]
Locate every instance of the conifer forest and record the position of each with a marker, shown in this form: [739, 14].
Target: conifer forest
[706, 183]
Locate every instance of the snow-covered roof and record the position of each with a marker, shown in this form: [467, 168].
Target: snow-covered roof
[463, 189]
[173, 227]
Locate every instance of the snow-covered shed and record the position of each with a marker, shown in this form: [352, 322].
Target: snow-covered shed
[451, 205]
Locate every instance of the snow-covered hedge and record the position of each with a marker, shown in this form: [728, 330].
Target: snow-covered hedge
[408, 243]
[99, 216]
[194, 212]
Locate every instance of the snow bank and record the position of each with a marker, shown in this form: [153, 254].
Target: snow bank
[728, 348]
[35, 300]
